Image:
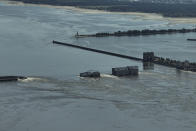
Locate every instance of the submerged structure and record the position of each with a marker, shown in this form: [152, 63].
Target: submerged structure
[92, 74]
[11, 78]
[191, 39]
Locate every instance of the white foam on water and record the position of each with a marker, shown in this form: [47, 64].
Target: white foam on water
[109, 76]
[102, 76]
[191, 72]
[31, 79]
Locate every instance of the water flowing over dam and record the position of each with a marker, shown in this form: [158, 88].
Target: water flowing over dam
[55, 98]
[147, 57]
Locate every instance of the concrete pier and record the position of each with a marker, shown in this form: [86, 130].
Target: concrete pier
[99, 51]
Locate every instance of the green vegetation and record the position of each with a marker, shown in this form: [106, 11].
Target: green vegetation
[169, 10]
[72, 2]
[138, 32]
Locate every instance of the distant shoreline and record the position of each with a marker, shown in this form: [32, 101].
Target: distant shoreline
[148, 16]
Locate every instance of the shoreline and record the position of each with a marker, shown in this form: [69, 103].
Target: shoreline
[145, 16]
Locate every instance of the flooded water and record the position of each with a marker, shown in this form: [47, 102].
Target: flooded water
[54, 97]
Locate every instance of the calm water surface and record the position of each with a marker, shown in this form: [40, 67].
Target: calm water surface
[55, 98]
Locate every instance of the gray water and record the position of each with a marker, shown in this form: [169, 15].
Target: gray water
[55, 98]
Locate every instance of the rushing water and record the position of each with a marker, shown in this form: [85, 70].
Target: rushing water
[55, 98]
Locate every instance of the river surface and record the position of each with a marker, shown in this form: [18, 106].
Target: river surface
[55, 98]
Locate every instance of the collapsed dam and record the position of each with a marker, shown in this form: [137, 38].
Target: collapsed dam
[181, 65]
[148, 57]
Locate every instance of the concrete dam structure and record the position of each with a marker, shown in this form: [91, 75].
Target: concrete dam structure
[125, 71]
[98, 51]
[181, 65]
[117, 71]
[148, 58]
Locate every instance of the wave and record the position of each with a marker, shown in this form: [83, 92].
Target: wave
[109, 76]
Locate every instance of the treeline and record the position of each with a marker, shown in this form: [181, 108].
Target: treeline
[168, 10]
[73, 2]
[138, 32]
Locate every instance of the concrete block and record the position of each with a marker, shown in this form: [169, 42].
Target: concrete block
[93, 74]
[148, 56]
[125, 71]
